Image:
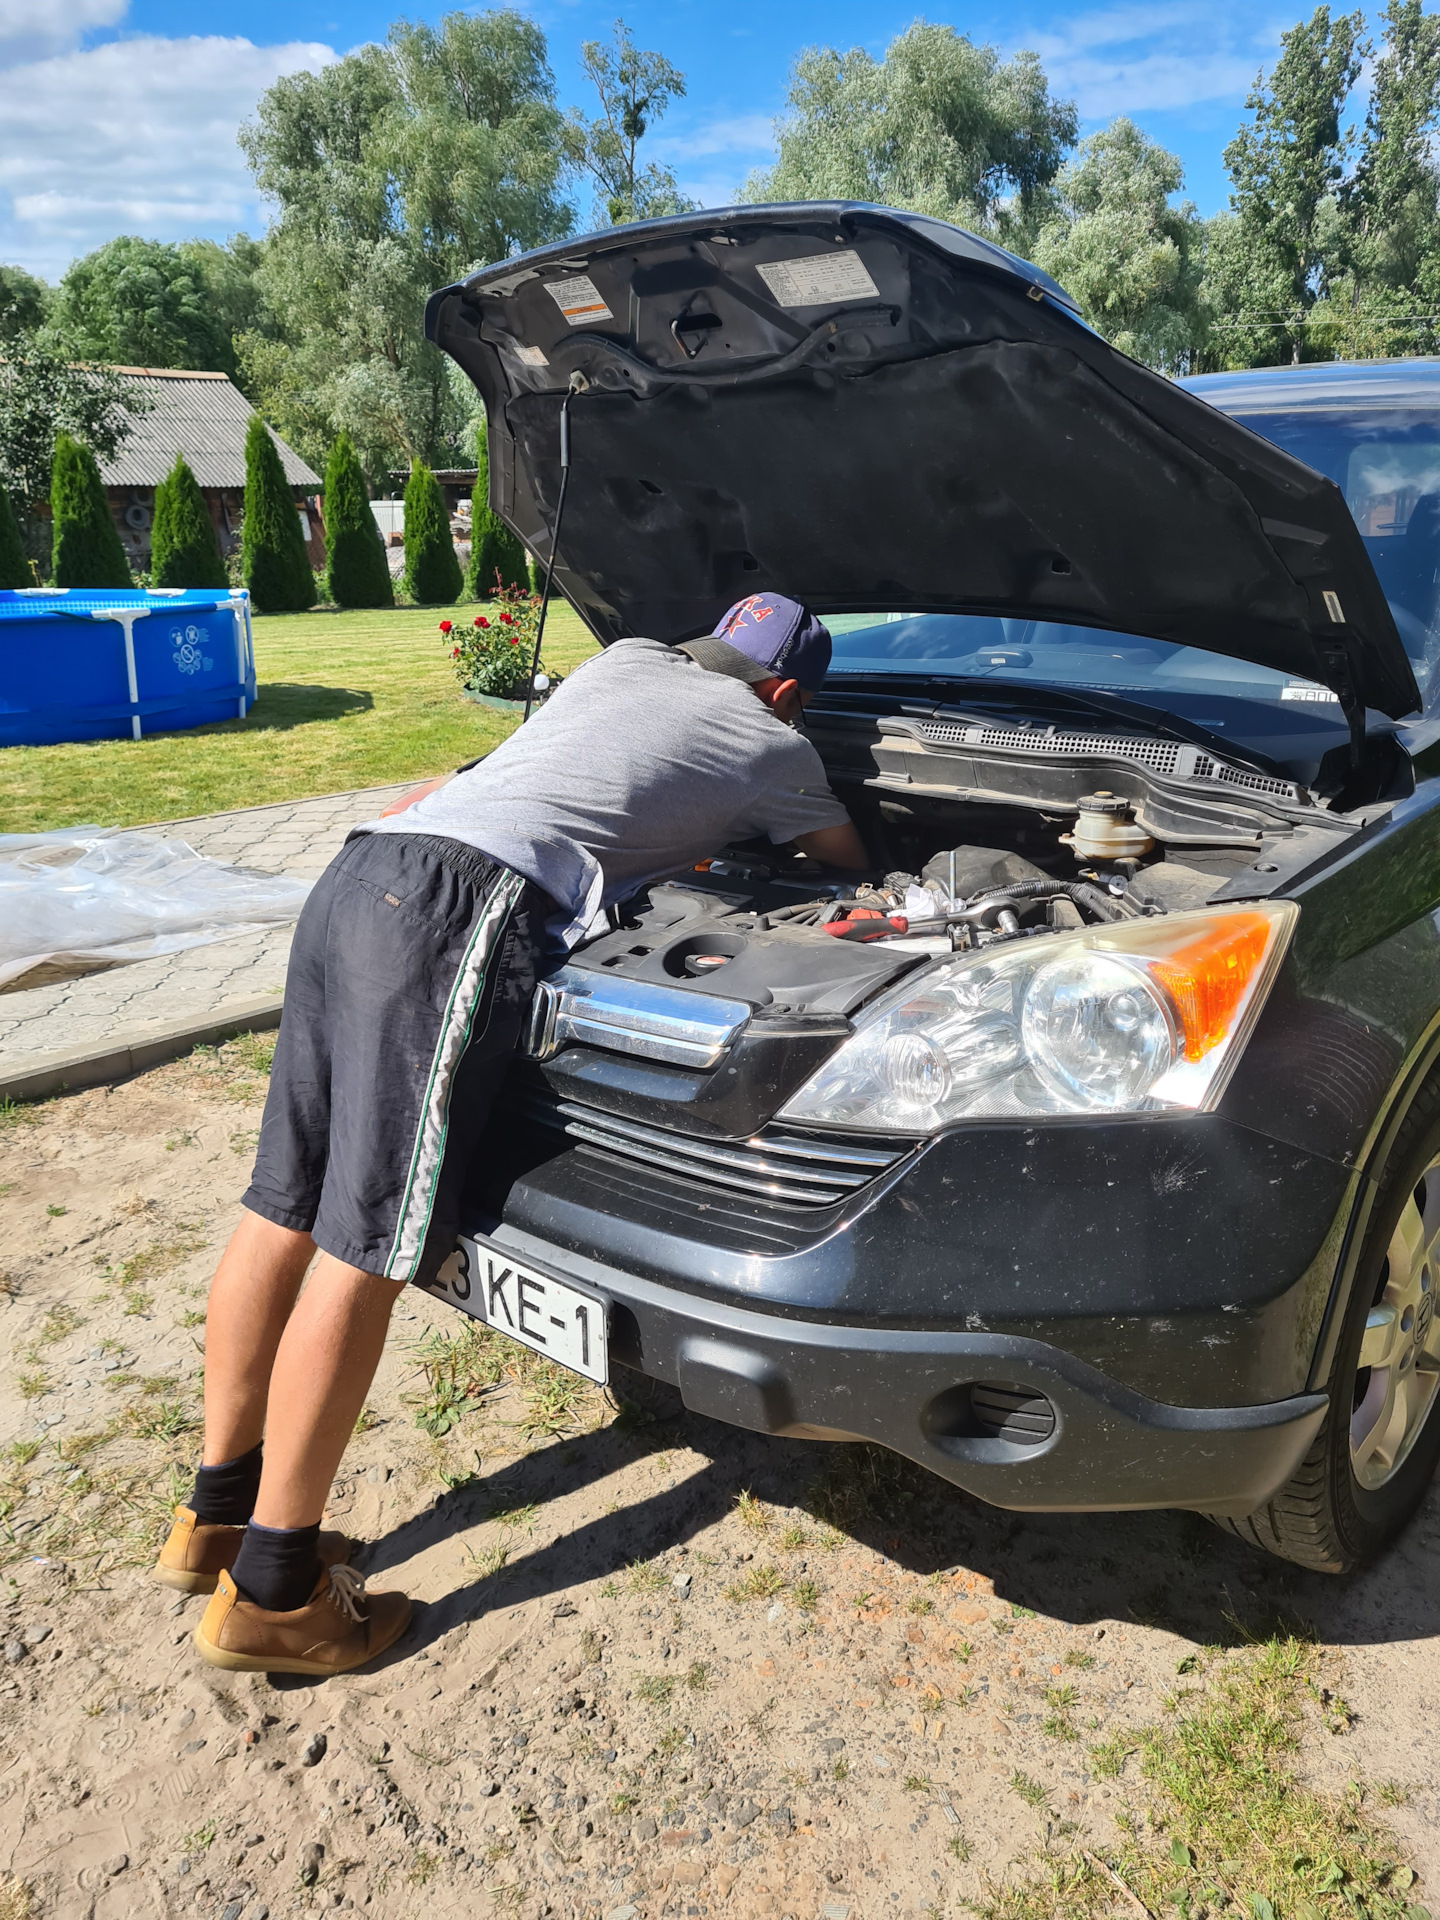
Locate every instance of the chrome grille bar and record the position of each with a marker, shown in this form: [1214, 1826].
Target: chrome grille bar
[779, 1166]
[638, 1017]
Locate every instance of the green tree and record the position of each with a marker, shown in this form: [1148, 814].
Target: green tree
[14, 566]
[357, 573]
[184, 549]
[161, 540]
[634, 88]
[1131, 259]
[1382, 286]
[137, 303]
[228, 276]
[87, 550]
[494, 549]
[41, 395]
[1392, 197]
[273, 560]
[1267, 258]
[432, 572]
[391, 172]
[939, 125]
[24, 301]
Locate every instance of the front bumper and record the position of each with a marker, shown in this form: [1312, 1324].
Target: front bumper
[1107, 1446]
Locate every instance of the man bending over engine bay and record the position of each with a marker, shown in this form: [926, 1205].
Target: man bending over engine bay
[413, 963]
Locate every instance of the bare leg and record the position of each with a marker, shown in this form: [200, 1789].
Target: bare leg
[322, 1371]
[251, 1297]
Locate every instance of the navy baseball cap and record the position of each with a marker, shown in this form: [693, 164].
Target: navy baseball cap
[764, 637]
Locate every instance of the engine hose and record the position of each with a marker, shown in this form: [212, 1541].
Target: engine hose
[1082, 892]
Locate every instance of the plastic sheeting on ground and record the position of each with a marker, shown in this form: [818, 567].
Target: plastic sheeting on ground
[85, 898]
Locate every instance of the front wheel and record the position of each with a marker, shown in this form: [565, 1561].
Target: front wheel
[1370, 1463]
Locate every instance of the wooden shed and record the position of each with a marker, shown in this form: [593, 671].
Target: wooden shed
[205, 417]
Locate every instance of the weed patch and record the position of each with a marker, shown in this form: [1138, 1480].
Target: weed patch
[458, 1370]
[1230, 1826]
[750, 1511]
[860, 1483]
[553, 1397]
[59, 1323]
[759, 1583]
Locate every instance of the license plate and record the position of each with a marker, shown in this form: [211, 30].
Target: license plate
[554, 1317]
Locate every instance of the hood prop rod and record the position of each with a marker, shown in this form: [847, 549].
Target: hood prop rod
[1336, 660]
[578, 384]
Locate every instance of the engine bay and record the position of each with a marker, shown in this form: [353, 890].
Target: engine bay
[765, 925]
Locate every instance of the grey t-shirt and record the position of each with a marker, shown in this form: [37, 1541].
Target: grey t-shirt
[641, 763]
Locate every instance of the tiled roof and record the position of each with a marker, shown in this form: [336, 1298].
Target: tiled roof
[201, 415]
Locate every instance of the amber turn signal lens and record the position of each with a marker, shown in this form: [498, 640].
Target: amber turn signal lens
[1206, 978]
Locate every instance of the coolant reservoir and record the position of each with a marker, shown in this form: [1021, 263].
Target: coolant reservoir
[1106, 830]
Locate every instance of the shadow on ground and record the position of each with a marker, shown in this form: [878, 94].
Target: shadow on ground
[283, 704]
[1164, 1569]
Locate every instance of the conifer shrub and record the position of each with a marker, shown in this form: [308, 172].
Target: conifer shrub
[160, 540]
[356, 571]
[184, 550]
[432, 572]
[14, 567]
[497, 559]
[87, 550]
[274, 563]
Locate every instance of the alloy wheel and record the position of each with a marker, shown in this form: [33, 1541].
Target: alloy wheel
[1399, 1366]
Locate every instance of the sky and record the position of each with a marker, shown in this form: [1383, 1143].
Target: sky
[119, 116]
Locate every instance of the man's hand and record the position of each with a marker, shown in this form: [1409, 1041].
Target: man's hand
[835, 846]
[415, 793]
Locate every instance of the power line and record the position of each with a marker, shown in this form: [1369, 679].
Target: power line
[1326, 320]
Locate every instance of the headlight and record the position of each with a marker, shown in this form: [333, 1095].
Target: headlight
[1145, 1016]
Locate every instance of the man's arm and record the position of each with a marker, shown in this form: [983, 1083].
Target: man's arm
[415, 793]
[835, 846]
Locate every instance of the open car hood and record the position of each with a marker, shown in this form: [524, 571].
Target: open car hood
[871, 410]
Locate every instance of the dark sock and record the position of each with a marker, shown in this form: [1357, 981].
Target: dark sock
[225, 1495]
[277, 1567]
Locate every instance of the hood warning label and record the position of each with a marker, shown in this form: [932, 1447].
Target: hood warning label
[818, 279]
[578, 299]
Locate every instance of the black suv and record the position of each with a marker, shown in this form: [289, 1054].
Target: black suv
[1088, 1152]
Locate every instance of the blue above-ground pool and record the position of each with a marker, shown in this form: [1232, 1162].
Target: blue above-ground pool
[84, 664]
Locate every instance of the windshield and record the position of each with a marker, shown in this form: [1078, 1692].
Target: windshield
[1294, 722]
[1386, 462]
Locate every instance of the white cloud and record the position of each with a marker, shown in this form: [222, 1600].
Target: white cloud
[135, 135]
[713, 158]
[1131, 59]
[30, 29]
[742, 133]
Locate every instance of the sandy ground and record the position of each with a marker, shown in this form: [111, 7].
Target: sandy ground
[658, 1666]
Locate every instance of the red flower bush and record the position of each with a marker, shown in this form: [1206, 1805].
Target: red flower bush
[495, 659]
[446, 626]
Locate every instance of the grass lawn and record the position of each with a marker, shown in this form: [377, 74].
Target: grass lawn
[345, 700]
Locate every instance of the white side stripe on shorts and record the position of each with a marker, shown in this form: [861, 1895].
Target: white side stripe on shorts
[429, 1153]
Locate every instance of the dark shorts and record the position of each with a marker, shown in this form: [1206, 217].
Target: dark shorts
[412, 966]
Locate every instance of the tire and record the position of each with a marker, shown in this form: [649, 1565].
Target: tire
[1343, 1506]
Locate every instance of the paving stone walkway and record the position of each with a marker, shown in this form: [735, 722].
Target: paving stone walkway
[197, 985]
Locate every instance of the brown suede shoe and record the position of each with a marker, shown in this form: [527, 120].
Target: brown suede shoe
[341, 1626]
[198, 1551]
